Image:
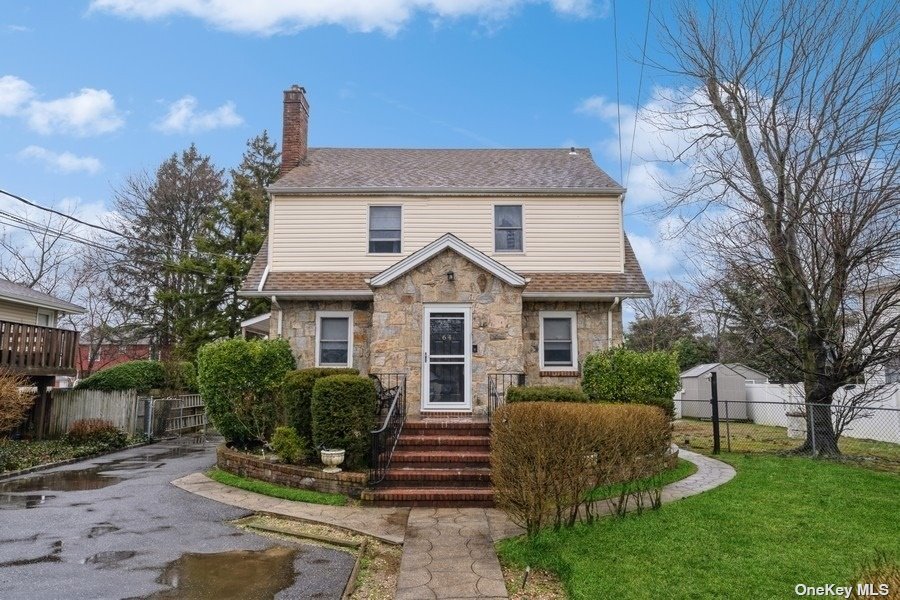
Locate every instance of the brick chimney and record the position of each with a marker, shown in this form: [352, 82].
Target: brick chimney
[296, 124]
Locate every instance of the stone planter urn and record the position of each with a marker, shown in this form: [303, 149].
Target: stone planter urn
[331, 459]
[796, 427]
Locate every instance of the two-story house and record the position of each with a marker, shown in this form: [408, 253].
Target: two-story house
[451, 266]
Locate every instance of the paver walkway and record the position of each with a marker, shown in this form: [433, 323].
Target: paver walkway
[447, 552]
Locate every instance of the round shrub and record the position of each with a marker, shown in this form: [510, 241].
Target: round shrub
[296, 396]
[622, 375]
[289, 446]
[343, 415]
[140, 375]
[240, 382]
[96, 431]
[549, 393]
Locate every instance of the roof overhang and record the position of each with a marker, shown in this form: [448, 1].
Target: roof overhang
[71, 309]
[442, 191]
[587, 296]
[308, 294]
[448, 241]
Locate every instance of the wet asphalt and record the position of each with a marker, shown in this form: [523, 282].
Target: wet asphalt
[114, 527]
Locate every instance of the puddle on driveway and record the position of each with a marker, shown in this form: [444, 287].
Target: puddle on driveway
[8, 501]
[109, 559]
[102, 529]
[53, 556]
[237, 574]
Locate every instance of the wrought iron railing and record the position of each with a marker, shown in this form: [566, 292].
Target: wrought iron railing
[384, 439]
[498, 383]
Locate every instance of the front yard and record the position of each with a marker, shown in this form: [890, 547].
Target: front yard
[778, 523]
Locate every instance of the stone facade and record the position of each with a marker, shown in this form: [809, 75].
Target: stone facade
[592, 327]
[496, 323]
[299, 328]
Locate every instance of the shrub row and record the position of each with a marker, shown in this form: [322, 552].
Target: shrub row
[547, 457]
[143, 375]
[296, 396]
[548, 393]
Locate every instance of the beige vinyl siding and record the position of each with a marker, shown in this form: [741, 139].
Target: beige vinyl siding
[17, 313]
[561, 234]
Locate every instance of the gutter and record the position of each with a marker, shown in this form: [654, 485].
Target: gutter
[442, 191]
[609, 318]
[299, 294]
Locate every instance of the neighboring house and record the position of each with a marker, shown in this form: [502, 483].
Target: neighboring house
[459, 264]
[95, 354]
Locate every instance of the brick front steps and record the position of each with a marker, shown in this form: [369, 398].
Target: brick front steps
[438, 463]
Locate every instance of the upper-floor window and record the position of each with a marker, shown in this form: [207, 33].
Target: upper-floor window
[384, 229]
[44, 318]
[508, 228]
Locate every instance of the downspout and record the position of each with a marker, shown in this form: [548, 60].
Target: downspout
[609, 322]
[275, 305]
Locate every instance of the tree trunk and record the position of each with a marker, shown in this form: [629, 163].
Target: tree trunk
[821, 438]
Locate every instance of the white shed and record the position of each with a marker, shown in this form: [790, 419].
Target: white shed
[731, 379]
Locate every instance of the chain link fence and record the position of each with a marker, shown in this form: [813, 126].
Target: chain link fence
[172, 416]
[866, 433]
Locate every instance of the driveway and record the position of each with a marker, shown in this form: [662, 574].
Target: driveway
[114, 527]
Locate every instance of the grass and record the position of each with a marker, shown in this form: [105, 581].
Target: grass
[779, 522]
[681, 470]
[276, 491]
[749, 437]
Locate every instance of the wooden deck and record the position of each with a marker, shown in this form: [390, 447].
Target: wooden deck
[35, 350]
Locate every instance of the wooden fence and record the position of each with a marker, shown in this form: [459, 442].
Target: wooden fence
[123, 409]
[36, 350]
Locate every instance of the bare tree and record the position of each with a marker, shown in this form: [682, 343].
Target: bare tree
[35, 251]
[789, 133]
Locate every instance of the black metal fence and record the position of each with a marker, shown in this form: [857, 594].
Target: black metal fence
[498, 383]
[384, 439]
[870, 433]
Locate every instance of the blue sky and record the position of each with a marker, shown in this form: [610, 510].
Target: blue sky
[91, 92]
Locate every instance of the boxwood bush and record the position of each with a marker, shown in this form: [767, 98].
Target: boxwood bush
[240, 381]
[621, 375]
[143, 376]
[296, 396]
[548, 393]
[343, 414]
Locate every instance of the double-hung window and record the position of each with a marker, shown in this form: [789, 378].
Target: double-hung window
[508, 228]
[334, 339]
[384, 229]
[559, 350]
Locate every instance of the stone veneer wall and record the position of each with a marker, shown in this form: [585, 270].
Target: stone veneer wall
[295, 476]
[396, 338]
[592, 326]
[299, 328]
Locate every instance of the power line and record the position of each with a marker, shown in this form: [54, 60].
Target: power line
[637, 101]
[618, 101]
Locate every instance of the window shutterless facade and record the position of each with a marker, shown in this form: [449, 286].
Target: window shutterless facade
[508, 232]
[558, 346]
[385, 229]
[334, 339]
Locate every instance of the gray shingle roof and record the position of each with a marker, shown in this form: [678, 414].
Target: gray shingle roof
[21, 294]
[384, 169]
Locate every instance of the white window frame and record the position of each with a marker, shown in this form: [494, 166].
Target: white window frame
[494, 206]
[331, 314]
[368, 230]
[559, 314]
[47, 313]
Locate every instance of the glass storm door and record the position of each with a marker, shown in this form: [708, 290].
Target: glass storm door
[447, 342]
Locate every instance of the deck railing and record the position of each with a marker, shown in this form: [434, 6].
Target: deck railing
[498, 383]
[36, 350]
[384, 439]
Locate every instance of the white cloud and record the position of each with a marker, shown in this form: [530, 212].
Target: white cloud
[14, 95]
[183, 117]
[18, 28]
[64, 162]
[268, 17]
[89, 112]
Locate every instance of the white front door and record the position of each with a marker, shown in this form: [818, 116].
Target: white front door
[446, 348]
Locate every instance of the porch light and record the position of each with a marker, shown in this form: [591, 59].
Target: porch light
[450, 276]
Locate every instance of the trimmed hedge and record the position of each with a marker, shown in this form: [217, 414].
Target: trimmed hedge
[343, 414]
[143, 376]
[240, 381]
[548, 393]
[290, 447]
[622, 375]
[546, 457]
[296, 396]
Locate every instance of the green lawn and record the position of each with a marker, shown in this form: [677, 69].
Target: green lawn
[276, 491]
[681, 470]
[779, 522]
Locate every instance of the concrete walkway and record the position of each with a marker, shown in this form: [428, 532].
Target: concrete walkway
[447, 552]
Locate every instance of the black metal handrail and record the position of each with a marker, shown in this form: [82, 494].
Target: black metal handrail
[384, 439]
[498, 383]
